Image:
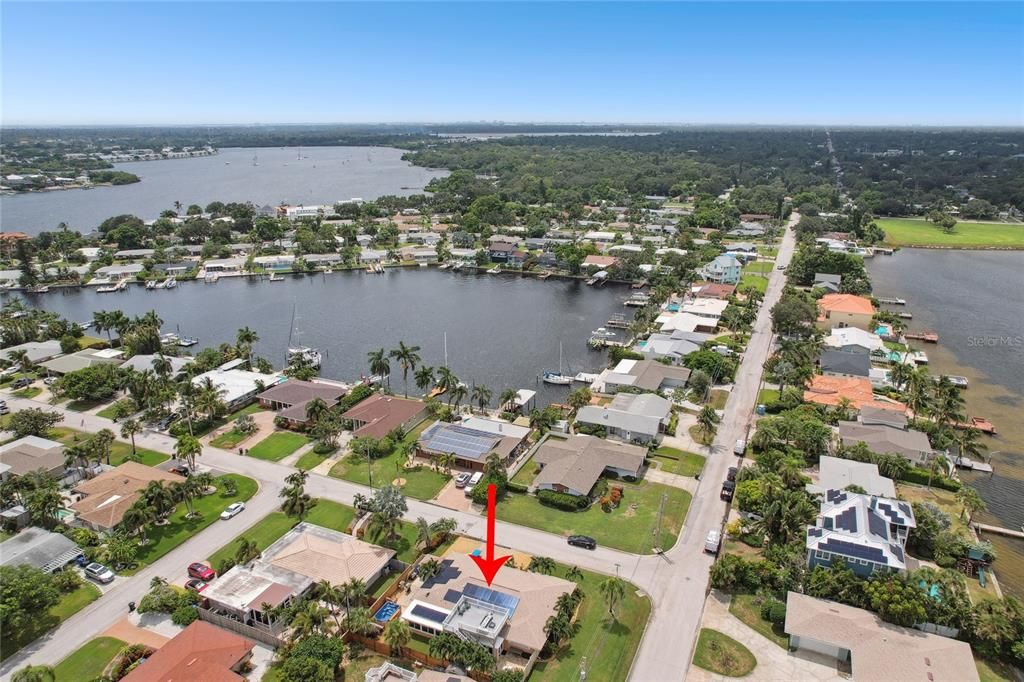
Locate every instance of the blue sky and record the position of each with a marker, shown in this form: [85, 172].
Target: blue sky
[852, 63]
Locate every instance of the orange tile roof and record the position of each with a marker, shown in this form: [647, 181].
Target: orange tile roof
[602, 261]
[829, 390]
[199, 652]
[846, 303]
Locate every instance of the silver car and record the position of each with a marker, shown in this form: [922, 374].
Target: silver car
[233, 509]
[99, 573]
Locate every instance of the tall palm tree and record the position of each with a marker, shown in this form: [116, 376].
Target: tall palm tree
[34, 673]
[21, 359]
[506, 399]
[971, 501]
[186, 491]
[316, 409]
[308, 621]
[968, 443]
[613, 589]
[359, 621]
[446, 379]
[352, 593]
[245, 339]
[424, 533]
[899, 375]
[424, 378]
[330, 595]
[481, 396]
[379, 365]
[159, 497]
[457, 395]
[188, 448]
[573, 573]
[397, 635]
[707, 423]
[408, 357]
[137, 519]
[247, 550]
[129, 429]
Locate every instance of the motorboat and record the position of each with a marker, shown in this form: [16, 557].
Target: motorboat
[310, 356]
[276, 278]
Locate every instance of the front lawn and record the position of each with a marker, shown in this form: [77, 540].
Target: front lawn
[677, 462]
[310, 460]
[199, 432]
[722, 654]
[718, 398]
[162, 539]
[422, 483]
[89, 660]
[27, 393]
[916, 232]
[69, 605]
[747, 607]
[630, 528]
[767, 396]
[229, 439]
[119, 452]
[86, 405]
[277, 446]
[609, 646]
[993, 671]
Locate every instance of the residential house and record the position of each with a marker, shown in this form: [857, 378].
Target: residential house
[31, 453]
[37, 351]
[472, 440]
[835, 473]
[854, 362]
[372, 255]
[847, 338]
[104, 499]
[686, 322]
[674, 346]
[646, 375]
[425, 238]
[600, 237]
[573, 465]
[117, 272]
[593, 262]
[723, 269]
[845, 310]
[499, 252]
[829, 283]
[420, 254]
[38, 548]
[225, 265]
[90, 357]
[380, 414]
[886, 432]
[874, 650]
[630, 417]
[713, 290]
[291, 397]
[283, 261]
[142, 363]
[237, 387]
[867, 533]
[830, 391]
[134, 254]
[199, 652]
[319, 260]
[711, 308]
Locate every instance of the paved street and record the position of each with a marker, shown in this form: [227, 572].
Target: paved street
[676, 580]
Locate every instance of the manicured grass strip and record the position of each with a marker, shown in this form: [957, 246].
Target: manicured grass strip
[626, 528]
[86, 405]
[609, 646]
[423, 483]
[677, 462]
[70, 604]
[911, 232]
[277, 446]
[88, 661]
[526, 473]
[221, 421]
[162, 539]
[722, 654]
[766, 396]
[229, 439]
[718, 398]
[747, 607]
[119, 452]
[28, 393]
[309, 460]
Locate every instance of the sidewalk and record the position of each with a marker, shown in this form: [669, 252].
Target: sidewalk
[687, 483]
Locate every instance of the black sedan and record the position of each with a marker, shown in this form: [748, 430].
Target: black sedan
[584, 541]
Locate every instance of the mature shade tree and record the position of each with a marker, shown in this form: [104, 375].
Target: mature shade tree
[33, 421]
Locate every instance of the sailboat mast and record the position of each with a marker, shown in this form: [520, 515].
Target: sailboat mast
[446, 350]
[291, 329]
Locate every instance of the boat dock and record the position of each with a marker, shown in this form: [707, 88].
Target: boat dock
[905, 316]
[970, 464]
[618, 321]
[927, 337]
[998, 530]
[891, 301]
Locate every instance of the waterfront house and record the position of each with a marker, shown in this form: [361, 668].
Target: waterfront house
[472, 440]
[134, 254]
[508, 616]
[502, 239]
[282, 261]
[90, 253]
[320, 260]
[573, 465]
[40, 549]
[674, 346]
[420, 254]
[887, 432]
[425, 238]
[299, 212]
[836, 362]
[630, 417]
[141, 363]
[104, 499]
[199, 652]
[835, 473]
[380, 414]
[31, 453]
[723, 269]
[237, 387]
[711, 308]
[713, 290]
[686, 322]
[867, 533]
[593, 262]
[845, 310]
[847, 338]
[645, 375]
[874, 651]
[225, 265]
[291, 397]
[89, 357]
[830, 391]
[830, 283]
[37, 351]
[499, 252]
[118, 272]
[372, 255]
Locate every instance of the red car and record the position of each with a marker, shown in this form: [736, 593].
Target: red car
[196, 585]
[201, 571]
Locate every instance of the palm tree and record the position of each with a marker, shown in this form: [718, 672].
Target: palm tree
[159, 497]
[457, 394]
[899, 375]
[245, 339]
[330, 595]
[359, 621]
[379, 365]
[21, 359]
[424, 377]
[315, 410]
[186, 491]
[429, 569]
[574, 574]
[481, 396]
[247, 550]
[424, 533]
[397, 635]
[541, 564]
[188, 448]
[352, 592]
[408, 357]
[137, 518]
[707, 423]
[129, 428]
[308, 621]
[446, 462]
[208, 398]
[446, 380]
[101, 444]
[506, 399]
[34, 673]
[971, 501]
[613, 589]
[968, 443]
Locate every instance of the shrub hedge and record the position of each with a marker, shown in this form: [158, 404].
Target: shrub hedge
[552, 498]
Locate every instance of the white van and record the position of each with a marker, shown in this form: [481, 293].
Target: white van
[740, 448]
[473, 481]
[711, 542]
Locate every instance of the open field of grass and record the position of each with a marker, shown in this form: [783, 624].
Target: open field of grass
[722, 654]
[627, 528]
[89, 660]
[69, 605]
[422, 483]
[675, 461]
[966, 235]
[609, 646]
[277, 446]
[747, 607]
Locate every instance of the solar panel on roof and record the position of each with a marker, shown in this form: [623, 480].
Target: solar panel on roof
[427, 613]
[852, 550]
[461, 441]
[489, 596]
[877, 526]
[452, 596]
[847, 520]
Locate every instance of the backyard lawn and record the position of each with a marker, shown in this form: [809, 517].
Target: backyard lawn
[277, 446]
[627, 528]
[526, 473]
[162, 539]
[119, 451]
[89, 660]
[86, 405]
[422, 483]
[747, 607]
[913, 232]
[69, 605]
[677, 462]
[722, 654]
[608, 646]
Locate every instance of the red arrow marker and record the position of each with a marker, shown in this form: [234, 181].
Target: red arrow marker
[489, 566]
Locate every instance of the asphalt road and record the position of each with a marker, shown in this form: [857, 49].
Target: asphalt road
[676, 580]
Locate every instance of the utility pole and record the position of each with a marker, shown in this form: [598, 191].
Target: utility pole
[657, 529]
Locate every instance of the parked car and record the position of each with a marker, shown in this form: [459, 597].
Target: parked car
[4, 409]
[712, 542]
[462, 479]
[584, 541]
[201, 571]
[233, 509]
[164, 423]
[181, 470]
[473, 481]
[740, 448]
[99, 573]
[21, 383]
[728, 488]
[196, 585]
[731, 475]
[50, 381]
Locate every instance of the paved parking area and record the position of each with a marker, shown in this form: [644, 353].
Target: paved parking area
[454, 498]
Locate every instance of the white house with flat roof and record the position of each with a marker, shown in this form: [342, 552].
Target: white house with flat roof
[238, 387]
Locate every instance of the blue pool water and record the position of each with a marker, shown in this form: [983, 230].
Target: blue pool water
[476, 552]
[673, 307]
[386, 612]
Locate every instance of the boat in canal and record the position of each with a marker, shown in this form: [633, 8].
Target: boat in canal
[276, 278]
[558, 378]
[310, 356]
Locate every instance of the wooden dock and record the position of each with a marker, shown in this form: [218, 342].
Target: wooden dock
[999, 530]
[927, 337]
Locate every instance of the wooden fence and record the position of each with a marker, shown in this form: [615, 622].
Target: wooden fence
[240, 628]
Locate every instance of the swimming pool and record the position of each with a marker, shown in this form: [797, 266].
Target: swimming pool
[386, 612]
[476, 552]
